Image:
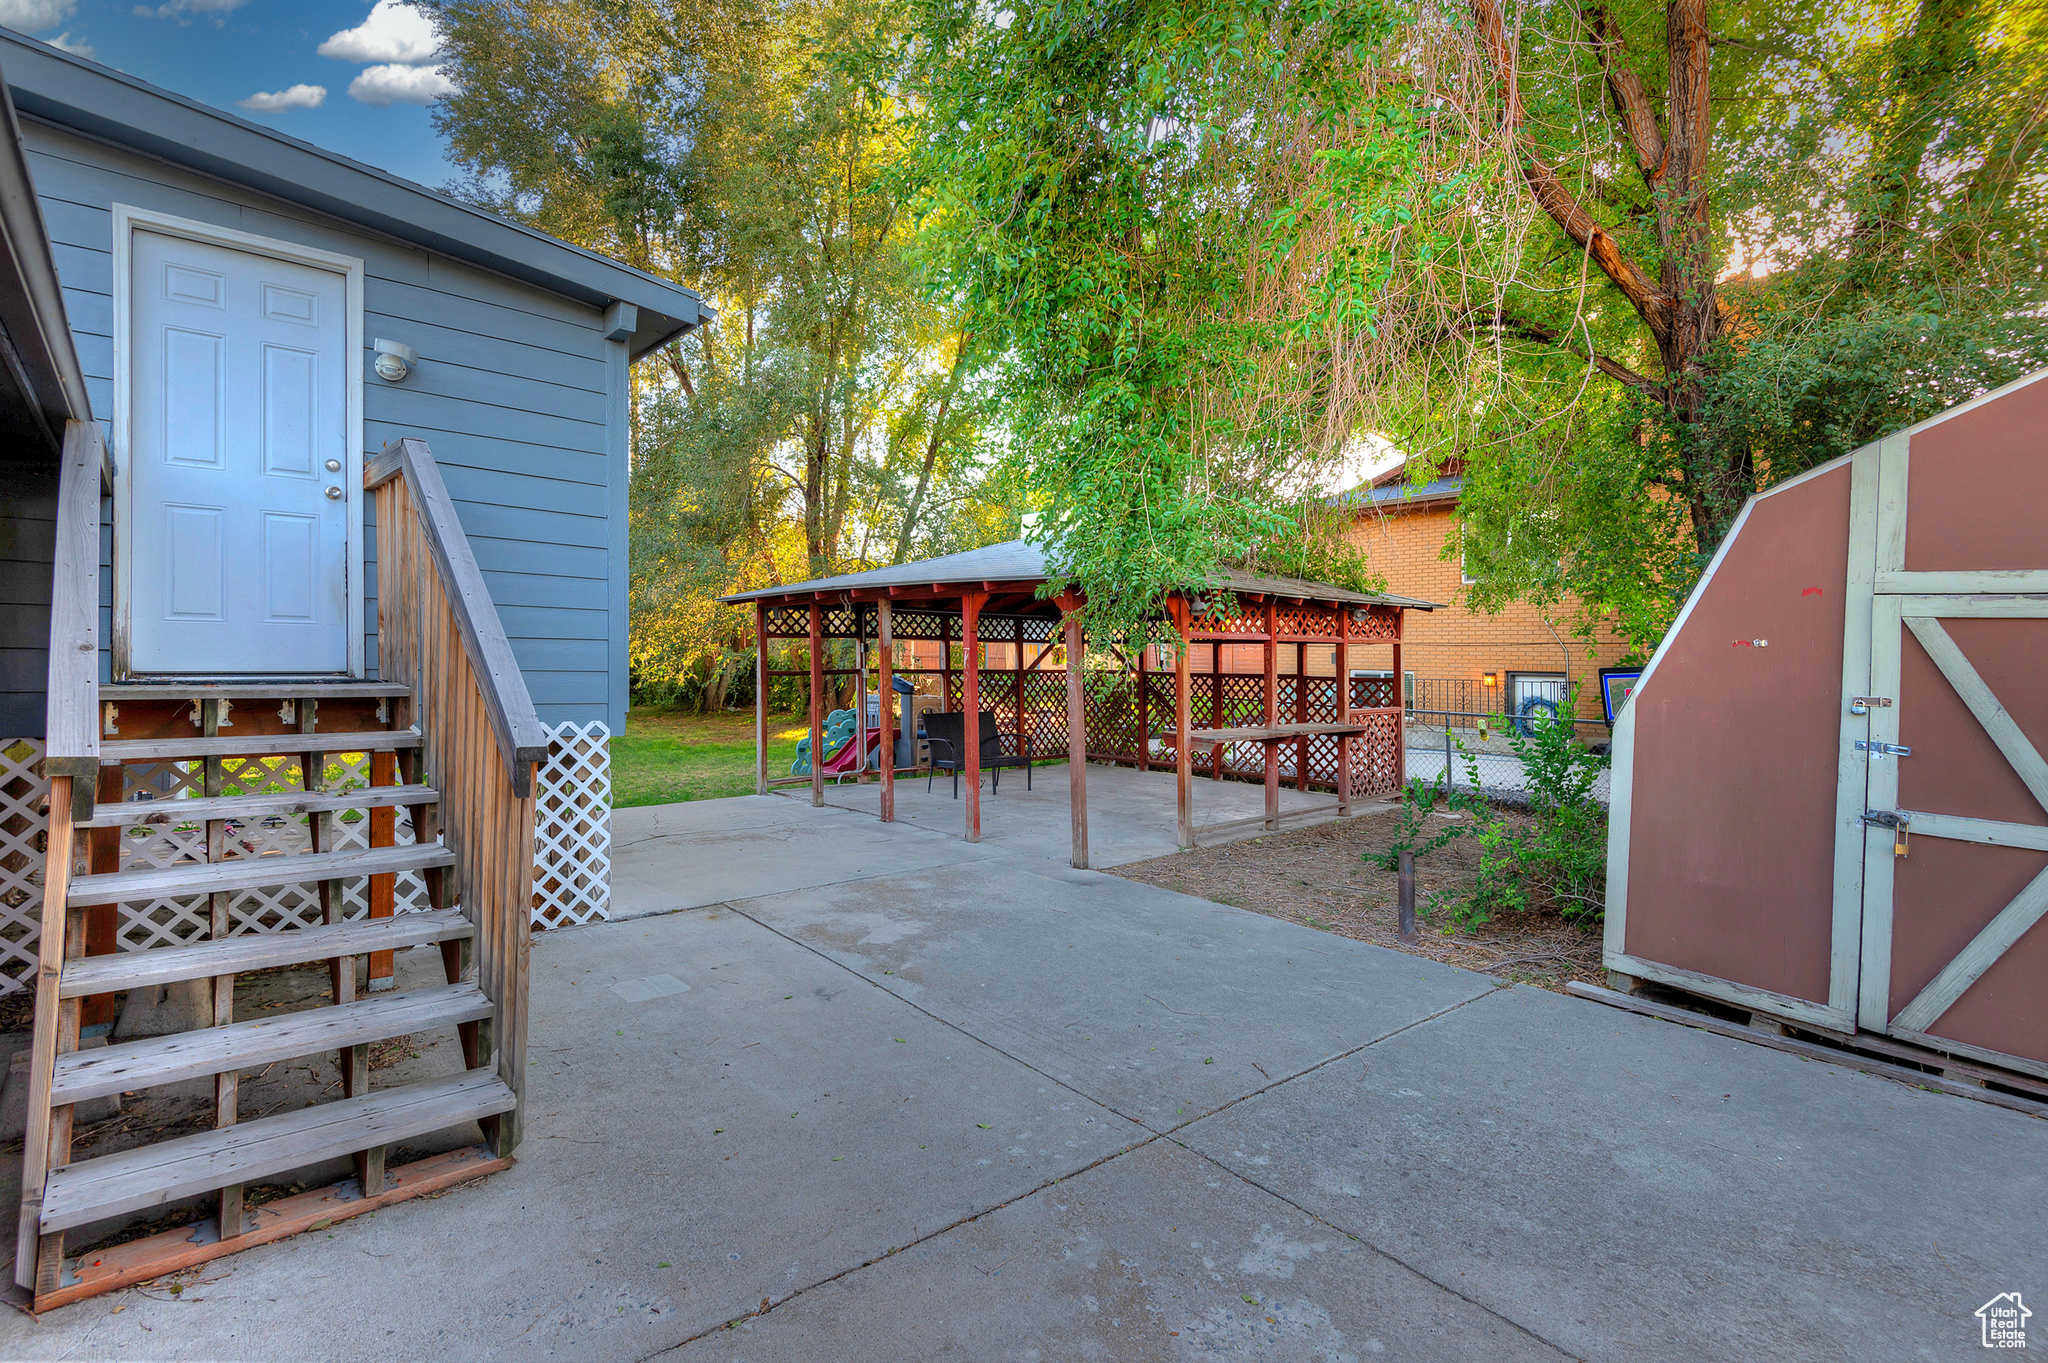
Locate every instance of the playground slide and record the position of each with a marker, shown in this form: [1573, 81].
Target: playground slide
[843, 762]
[839, 747]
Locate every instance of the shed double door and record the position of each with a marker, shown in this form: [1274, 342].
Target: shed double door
[1947, 802]
[1955, 834]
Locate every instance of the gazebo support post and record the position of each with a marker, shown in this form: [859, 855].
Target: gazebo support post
[1183, 720]
[1217, 714]
[817, 699]
[1301, 706]
[1077, 737]
[860, 701]
[1400, 705]
[761, 699]
[970, 706]
[945, 662]
[885, 666]
[1344, 741]
[1144, 711]
[1272, 750]
[1023, 721]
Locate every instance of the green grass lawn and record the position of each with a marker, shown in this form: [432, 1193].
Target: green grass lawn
[664, 757]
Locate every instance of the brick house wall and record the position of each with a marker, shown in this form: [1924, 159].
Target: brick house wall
[1456, 643]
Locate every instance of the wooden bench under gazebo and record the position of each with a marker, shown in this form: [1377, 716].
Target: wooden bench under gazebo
[1322, 710]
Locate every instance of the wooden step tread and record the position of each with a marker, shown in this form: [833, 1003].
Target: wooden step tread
[207, 1051]
[85, 976]
[313, 688]
[133, 812]
[152, 1175]
[115, 751]
[248, 873]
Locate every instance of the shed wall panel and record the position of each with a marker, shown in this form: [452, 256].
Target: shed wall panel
[1976, 486]
[1731, 840]
[516, 394]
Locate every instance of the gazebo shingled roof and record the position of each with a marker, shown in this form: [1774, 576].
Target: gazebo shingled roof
[1018, 562]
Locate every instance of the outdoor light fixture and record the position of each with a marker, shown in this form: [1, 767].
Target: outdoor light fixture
[394, 360]
[1489, 679]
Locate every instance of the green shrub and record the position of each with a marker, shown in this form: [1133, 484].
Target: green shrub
[1558, 862]
[1419, 800]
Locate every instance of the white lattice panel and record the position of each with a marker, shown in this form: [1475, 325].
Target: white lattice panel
[22, 794]
[572, 845]
[572, 840]
[160, 838]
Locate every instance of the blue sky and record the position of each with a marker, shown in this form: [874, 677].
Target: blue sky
[225, 52]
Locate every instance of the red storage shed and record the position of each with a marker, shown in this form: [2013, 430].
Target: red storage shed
[1830, 802]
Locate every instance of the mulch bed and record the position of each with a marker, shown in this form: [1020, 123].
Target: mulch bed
[1317, 877]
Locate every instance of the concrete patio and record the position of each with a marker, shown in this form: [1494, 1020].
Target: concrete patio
[926, 1099]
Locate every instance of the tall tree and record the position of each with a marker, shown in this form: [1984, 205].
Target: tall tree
[1100, 182]
[1628, 261]
[1781, 235]
[744, 150]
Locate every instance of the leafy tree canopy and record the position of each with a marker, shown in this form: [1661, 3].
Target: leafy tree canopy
[1627, 263]
[831, 417]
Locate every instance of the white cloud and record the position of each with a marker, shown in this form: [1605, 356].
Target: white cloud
[172, 9]
[62, 42]
[394, 32]
[33, 16]
[393, 84]
[298, 97]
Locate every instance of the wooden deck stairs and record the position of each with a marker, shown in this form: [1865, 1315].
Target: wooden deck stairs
[450, 751]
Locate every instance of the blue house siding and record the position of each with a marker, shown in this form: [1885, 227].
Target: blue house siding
[517, 392]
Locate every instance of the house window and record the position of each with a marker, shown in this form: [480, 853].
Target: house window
[1464, 578]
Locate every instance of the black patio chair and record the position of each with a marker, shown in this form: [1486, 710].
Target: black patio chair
[947, 730]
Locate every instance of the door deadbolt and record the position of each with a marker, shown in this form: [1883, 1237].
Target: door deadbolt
[334, 466]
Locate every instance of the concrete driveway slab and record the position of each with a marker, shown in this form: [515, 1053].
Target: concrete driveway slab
[1160, 1006]
[1157, 1255]
[906, 1094]
[699, 816]
[673, 857]
[1630, 1189]
[688, 1155]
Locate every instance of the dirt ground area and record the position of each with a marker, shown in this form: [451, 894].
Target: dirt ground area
[1317, 876]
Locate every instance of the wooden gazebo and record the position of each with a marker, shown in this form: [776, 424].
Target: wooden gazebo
[1292, 718]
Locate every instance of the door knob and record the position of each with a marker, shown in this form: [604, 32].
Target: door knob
[334, 492]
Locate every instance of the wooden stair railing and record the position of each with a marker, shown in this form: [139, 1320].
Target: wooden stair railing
[480, 736]
[71, 762]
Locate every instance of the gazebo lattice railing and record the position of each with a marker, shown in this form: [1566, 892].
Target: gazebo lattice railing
[1124, 705]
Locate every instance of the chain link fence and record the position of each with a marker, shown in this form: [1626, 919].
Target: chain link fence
[1474, 746]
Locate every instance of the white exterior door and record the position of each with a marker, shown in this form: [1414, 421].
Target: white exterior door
[238, 370]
